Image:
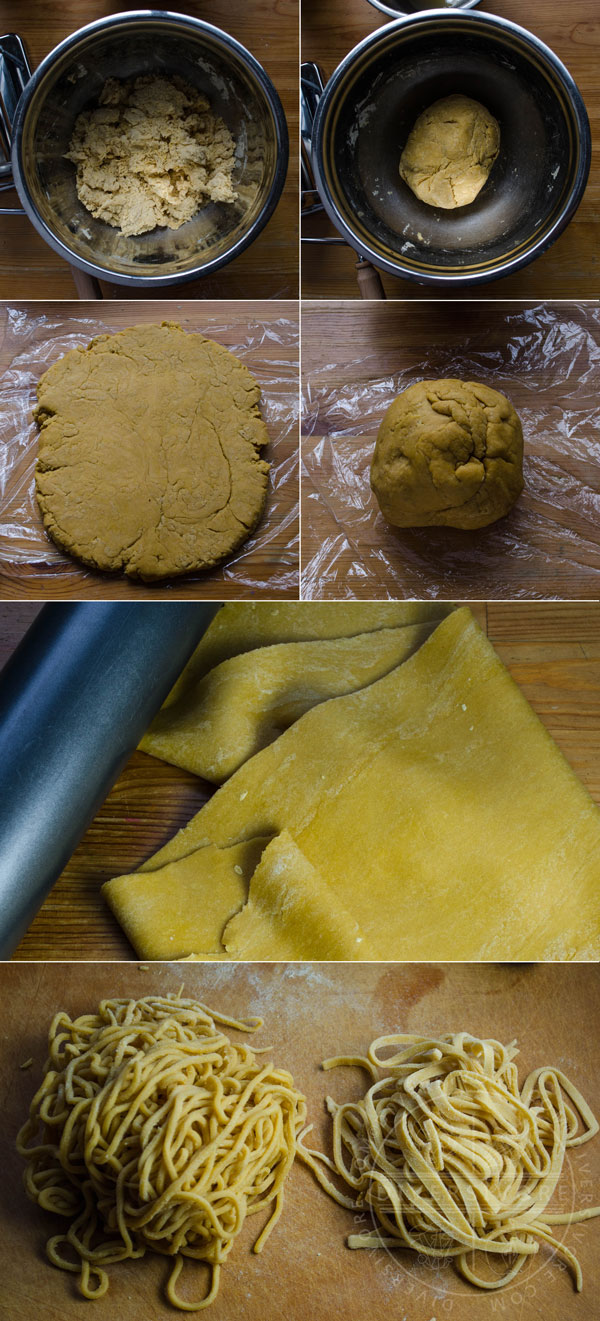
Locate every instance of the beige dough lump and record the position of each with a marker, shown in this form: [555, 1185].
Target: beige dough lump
[450, 151]
[448, 453]
[149, 452]
[151, 153]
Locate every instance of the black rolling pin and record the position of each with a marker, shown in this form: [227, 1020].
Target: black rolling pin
[75, 699]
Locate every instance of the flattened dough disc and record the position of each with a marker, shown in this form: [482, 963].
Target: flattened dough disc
[436, 807]
[149, 452]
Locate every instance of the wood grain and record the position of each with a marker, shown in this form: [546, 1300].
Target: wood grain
[269, 267]
[312, 1011]
[552, 650]
[571, 268]
[60, 578]
[549, 546]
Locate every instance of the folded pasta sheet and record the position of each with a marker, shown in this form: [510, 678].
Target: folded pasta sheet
[185, 905]
[244, 626]
[291, 913]
[246, 702]
[435, 806]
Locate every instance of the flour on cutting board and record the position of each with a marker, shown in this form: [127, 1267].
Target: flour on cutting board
[272, 991]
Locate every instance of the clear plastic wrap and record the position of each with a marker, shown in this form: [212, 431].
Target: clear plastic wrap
[546, 358]
[266, 565]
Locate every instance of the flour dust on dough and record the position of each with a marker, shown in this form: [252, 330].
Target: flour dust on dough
[152, 152]
[435, 806]
[246, 702]
[149, 452]
[244, 626]
[450, 151]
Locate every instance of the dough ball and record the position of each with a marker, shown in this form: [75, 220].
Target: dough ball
[448, 453]
[450, 151]
[149, 452]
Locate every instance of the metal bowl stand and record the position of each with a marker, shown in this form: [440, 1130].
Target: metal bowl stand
[312, 85]
[15, 72]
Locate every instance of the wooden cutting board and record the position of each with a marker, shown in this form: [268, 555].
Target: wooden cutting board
[312, 1011]
[570, 269]
[272, 567]
[269, 267]
[551, 649]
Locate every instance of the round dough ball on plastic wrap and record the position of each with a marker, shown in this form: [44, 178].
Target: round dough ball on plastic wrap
[448, 453]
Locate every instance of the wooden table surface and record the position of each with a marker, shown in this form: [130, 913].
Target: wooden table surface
[269, 267]
[552, 651]
[543, 358]
[312, 1011]
[269, 569]
[571, 268]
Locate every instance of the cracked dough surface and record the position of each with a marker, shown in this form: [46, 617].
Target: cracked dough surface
[149, 452]
[448, 453]
[151, 153]
[450, 151]
[435, 806]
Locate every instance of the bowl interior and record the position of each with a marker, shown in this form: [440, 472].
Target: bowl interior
[376, 105]
[74, 82]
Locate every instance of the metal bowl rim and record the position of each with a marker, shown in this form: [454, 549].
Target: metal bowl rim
[397, 13]
[281, 133]
[484, 20]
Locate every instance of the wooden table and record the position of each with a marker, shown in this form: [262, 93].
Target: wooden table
[548, 545]
[270, 567]
[312, 1011]
[552, 651]
[571, 268]
[269, 267]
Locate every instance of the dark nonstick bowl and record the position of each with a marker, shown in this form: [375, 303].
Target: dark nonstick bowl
[370, 105]
[71, 79]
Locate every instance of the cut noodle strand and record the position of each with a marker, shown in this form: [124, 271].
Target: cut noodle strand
[151, 1129]
[449, 1156]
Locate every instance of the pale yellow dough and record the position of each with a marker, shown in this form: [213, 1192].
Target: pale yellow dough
[184, 905]
[450, 151]
[291, 913]
[247, 701]
[241, 627]
[151, 153]
[436, 808]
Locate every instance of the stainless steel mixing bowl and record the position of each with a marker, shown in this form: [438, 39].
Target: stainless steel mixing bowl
[369, 107]
[71, 78]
